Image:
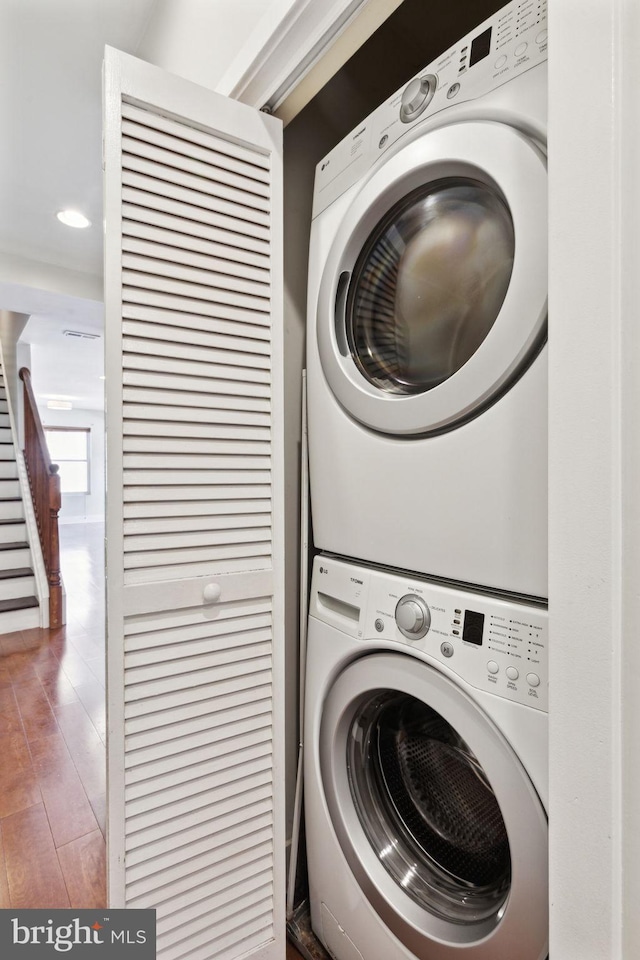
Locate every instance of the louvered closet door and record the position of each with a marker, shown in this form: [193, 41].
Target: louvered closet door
[194, 514]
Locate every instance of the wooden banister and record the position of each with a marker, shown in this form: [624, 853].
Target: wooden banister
[44, 482]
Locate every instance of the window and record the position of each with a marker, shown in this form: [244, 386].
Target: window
[69, 448]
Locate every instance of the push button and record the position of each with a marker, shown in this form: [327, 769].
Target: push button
[533, 679]
[493, 667]
[512, 673]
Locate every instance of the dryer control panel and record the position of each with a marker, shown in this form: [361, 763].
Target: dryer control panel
[493, 643]
[506, 45]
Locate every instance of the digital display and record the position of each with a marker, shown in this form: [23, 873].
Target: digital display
[473, 627]
[480, 47]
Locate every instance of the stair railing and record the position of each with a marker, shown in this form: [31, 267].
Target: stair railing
[44, 482]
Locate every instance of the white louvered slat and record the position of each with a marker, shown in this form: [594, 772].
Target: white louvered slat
[149, 827]
[163, 241]
[194, 293]
[230, 930]
[254, 337]
[178, 835]
[177, 645]
[178, 768]
[181, 302]
[174, 541]
[217, 421]
[234, 700]
[185, 445]
[223, 350]
[230, 154]
[211, 417]
[250, 868]
[248, 893]
[167, 737]
[225, 678]
[181, 494]
[153, 875]
[207, 363]
[210, 431]
[185, 220]
[166, 564]
[200, 177]
[152, 810]
[233, 184]
[215, 274]
[234, 516]
[240, 864]
[140, 276]
[171, 511]
[194, 391]
[232, 216]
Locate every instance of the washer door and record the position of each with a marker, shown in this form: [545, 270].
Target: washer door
[434, 812]
[434, 296]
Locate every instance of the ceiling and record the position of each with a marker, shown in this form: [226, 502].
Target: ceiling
[51, 55]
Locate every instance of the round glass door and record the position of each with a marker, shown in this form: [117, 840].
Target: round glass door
[428, 809]
[429, 285]
[433, 298]
[434, 813]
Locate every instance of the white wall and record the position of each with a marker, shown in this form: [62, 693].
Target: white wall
[21, 279]
[11, 327]
[198, 39]
[23, 359]
[77, 507]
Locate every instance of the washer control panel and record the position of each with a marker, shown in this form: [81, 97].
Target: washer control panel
[506, 45]
[494, 644]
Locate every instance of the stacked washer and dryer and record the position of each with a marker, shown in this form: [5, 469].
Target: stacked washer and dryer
[426, 691]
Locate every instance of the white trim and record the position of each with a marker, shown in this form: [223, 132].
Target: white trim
[286, 43]
[112, 83]
[625, 698]
[594, 478]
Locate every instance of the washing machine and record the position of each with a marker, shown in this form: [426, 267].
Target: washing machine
[426, 778]
[427, 320]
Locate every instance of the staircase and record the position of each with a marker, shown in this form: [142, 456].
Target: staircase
[19, 608]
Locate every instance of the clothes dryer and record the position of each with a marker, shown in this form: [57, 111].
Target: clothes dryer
[427, 367]
[425, 769]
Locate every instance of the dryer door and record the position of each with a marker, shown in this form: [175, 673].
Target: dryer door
[435, 814]
[434, 296]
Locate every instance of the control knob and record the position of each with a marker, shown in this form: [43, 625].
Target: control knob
[417, 96]
[413, 616]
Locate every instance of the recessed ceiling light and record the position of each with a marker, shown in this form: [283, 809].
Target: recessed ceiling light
[73, 218]
[59, 405]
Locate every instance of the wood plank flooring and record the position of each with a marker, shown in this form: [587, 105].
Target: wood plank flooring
[52, 744]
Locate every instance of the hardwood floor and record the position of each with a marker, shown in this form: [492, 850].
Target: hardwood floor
[52, 744]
